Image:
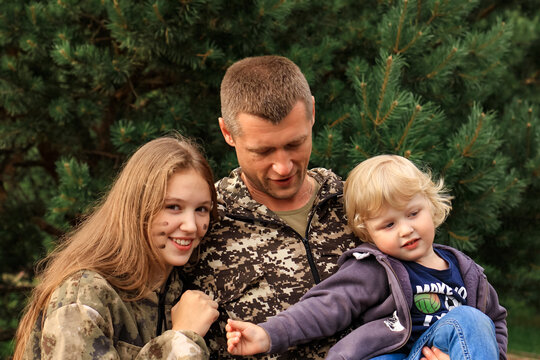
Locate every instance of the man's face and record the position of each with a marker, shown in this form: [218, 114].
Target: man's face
[274, 158]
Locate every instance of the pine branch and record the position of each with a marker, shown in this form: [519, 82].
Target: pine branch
[442, 64]
[411, 43]
[158, 14]
[528, 135]
[205, 56]
[340, 120]
[417, 109]
[493, 39]
[363, 86]
[389, 60]
[393, 106]
[434, 13]
[119, 13]
[400, 26]
[329, 146]
[447, 166]
[531, 80]
[486, 11]
[458, 237]
[361, 151]
[473, 179]
[466, 150]
[364, 124]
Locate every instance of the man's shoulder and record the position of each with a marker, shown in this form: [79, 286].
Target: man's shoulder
[331, 184]
[322, 175]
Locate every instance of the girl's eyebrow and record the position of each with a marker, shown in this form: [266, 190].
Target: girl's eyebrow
[175, 199]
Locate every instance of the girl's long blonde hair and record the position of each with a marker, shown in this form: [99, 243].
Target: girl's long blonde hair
[114, 240]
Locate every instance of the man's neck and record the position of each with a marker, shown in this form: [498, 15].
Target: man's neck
[300, 199]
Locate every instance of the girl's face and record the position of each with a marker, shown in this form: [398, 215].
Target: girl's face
[178, 227]
[406, 234]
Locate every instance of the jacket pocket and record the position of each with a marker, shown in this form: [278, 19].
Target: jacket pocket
[245, 293]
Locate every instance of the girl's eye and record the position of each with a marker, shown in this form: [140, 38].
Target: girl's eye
[173, 207]
[203, 209]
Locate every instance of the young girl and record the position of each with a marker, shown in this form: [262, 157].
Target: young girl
[111, 288]
[406, 295]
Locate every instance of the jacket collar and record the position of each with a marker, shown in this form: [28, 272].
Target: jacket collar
[464, 261]
[235, 200]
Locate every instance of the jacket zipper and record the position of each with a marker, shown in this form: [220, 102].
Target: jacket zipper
[313, 268]
[305, 242]
[408, 314]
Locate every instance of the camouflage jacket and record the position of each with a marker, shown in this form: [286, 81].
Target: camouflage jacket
[87, 319]
[256, 265]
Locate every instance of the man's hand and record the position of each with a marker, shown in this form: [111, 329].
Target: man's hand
[245, 338]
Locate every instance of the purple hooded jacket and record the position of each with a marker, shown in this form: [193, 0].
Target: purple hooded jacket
[373, 291]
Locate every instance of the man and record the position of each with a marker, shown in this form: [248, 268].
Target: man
[282, 227]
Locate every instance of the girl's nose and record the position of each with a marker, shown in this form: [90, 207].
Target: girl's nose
[188, 222]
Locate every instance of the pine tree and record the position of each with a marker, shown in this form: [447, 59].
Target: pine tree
[452, 85]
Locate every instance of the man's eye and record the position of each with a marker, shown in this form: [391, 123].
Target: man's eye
[294, 146]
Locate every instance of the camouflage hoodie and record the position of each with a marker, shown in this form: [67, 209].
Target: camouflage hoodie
[87, 319]
[256, 265]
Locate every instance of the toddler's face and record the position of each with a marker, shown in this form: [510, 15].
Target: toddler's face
[406, 234]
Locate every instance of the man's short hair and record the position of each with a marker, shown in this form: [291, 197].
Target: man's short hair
[264, 86]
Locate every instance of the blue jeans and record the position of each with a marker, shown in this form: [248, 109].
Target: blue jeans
[464, 333]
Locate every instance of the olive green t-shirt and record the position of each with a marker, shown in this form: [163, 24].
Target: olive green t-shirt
[298, 219]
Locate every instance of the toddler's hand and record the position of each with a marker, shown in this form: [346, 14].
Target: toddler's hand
[245, 338]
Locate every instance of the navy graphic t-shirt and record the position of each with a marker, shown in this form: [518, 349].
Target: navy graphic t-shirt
[435, 293]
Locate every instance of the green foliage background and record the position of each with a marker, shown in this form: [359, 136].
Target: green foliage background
[452, 85]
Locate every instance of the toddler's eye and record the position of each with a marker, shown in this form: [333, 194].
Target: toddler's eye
[389, 225]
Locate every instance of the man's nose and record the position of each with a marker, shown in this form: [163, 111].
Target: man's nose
[282, 163]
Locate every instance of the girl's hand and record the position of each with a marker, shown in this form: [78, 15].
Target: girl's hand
[433, 354]
[245, 338]
[195, 311]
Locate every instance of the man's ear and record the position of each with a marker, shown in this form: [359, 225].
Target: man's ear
[226, 133]
[313, 111]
